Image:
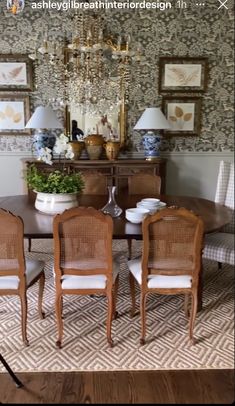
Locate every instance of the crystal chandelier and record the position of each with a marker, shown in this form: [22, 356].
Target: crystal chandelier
[90, 69]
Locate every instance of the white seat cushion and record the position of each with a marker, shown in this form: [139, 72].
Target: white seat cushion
[219, 247]
[88, 281]
[33, 269]
[159, 281]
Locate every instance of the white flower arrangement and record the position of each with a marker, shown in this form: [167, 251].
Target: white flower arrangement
[61, 147]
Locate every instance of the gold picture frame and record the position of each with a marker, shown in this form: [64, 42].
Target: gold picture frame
[14, 114]
[183, 114]
[183, 74]
[16, 73]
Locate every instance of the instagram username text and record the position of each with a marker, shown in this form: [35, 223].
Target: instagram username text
[97, 4]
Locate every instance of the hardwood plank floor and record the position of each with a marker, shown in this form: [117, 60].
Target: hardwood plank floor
[124, 387]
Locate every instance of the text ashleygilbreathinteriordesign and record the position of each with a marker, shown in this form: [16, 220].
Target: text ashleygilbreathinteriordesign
[97, 4]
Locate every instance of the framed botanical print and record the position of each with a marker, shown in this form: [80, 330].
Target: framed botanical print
[181, 74]
[15, 73]
[14, 114]
[183, 115]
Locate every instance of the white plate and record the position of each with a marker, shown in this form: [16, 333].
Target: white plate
[162, 204]
[151, 209]
[151, 200]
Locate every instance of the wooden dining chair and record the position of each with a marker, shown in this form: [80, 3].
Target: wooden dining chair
[143, 184]
[96, 183]
[83, 262]
[170, 262]
[17, 274]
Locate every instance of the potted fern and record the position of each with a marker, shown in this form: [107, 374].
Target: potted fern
[55, 190]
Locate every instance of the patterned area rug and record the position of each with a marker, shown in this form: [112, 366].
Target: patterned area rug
[84, 345]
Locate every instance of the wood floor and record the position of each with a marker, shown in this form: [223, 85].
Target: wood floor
[151, 387]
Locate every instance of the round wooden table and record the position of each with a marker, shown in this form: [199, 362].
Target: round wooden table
[39, 225]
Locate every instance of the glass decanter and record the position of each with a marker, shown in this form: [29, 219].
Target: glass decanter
[111, 207]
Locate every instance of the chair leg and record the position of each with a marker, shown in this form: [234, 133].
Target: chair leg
[24, 309]
[30, 244]
[132, 289]
[109, 318]
[58, 311]
[200, 291]
[40, 295]
[11, 373]
[129, 243]
[115, 291]
[193, 316]
[186, 305]
[219, 265]
[143, 298]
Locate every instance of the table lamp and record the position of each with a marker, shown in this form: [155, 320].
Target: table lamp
[152, 119]
[43, 118]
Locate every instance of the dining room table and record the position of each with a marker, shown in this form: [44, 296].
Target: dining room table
[39, 225]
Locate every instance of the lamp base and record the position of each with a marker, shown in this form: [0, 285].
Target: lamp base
[151, 143]
[43, 139]
[152, 158]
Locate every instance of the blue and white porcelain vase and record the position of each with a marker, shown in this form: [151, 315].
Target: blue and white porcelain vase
[151, 143]
[42, 140]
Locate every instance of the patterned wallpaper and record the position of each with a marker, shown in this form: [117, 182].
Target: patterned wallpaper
[194, 31]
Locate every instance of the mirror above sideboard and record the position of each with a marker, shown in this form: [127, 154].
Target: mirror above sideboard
[88, 122]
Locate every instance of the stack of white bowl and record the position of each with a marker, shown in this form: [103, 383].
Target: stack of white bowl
[136, 215]
[151, 204]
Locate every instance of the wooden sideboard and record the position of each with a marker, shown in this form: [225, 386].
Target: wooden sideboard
[117, 171]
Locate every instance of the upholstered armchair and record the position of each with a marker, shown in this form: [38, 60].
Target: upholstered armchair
[219, 246]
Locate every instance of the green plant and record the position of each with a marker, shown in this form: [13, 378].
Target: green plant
[54, 182]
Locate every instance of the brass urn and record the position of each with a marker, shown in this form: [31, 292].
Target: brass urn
[77, 147]
[112, 149]
[94, 145]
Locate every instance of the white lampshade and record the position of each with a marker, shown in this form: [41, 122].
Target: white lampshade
[152, 119]
[43, 117]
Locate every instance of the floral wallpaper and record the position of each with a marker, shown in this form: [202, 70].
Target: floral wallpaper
[192, 31]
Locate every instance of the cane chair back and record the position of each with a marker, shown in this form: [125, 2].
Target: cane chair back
[83, 259]
[12, 262]
[144, 183]
[96, 183]
[171, 258]
[16, 273]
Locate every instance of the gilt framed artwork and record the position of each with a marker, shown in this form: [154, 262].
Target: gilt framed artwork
[15, 73]
[14, 114]
[183, 115]
[181, 74]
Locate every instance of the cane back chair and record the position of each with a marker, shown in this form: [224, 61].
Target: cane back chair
[83, 262]
[17, 274]
[171, 260]
[96, 183]
[143, 184]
